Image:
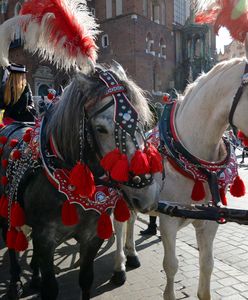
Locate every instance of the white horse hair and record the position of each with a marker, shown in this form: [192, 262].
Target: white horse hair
[200, 121]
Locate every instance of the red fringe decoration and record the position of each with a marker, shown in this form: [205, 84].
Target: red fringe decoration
[4, 180]
[82, 178]
[154, 158]
[16, 154]
[17, 216]
[11, 238]
[139, 163]
[4, 203]
[120, 170]
[27, 137]
[198, 192]
[21, 242]
[4, 163]
[121, 211]
[241, 135]
[3, 140]
[69, 214]
[110, 159]
[223, 196]
[13, 143]
[237, 189]
[104, 227]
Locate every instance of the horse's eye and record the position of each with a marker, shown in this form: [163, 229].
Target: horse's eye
[101, 129]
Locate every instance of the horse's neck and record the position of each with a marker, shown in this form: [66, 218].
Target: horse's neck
[203, 118]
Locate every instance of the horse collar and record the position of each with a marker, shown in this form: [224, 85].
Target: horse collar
[218, 174]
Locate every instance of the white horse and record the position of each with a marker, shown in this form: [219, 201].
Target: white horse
[200, 121]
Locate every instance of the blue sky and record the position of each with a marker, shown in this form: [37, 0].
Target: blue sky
[222, 39]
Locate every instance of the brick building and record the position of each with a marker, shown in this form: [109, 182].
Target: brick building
[139, 35]
[41, 75]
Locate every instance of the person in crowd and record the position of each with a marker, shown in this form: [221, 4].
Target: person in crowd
[15, 95]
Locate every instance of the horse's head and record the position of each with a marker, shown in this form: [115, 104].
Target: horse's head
[117, 117]
[100, 119]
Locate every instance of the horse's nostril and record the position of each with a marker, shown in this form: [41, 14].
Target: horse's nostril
[136, 202]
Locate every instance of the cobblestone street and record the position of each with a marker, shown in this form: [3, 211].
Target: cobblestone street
[229, 280]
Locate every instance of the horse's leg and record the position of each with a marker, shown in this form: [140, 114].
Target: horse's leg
[119, 276]
[36, 280]
[15, 288]
[88, 253]
[205, 234]
[130, 251]
[168, 228]
[44, 247]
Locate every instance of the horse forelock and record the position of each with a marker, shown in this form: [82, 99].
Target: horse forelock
[217, 71]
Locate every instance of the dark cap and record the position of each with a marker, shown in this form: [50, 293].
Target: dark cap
[16, 68]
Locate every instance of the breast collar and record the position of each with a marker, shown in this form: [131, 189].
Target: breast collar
[217, 174]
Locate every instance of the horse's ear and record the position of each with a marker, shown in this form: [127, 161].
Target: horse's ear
[246, 45]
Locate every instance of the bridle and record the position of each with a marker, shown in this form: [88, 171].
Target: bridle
[238, 96]
[126, 123]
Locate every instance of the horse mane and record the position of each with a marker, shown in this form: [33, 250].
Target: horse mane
[66, 114]
[217, 70]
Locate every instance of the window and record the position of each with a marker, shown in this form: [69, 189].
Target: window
[162, 48]
[18, 7]
[181, 11]
[156, 13]
[108, 9]
[105, 41]
[3, 6]
[118, 7]
[145, 8]
[149, 44]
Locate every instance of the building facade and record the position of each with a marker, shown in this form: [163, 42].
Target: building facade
[139, 35]
[41, 75]
[195, 45]
[234, 49]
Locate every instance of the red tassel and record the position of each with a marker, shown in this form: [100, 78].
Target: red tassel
[104, 227]
[241, 135]
[69, 214]
[4, 207]
[16, 154]
[82, 178]
[120, 170]
[237, 189]
[223, 196]
[4, 163]
[50, 96]
[139, 163]
[11, 238]
[155, 159]
[1, 151]
[29, 130]
[17, 216]
[110, 159]
[4, 180]
[27, 137]
[13, 143]
[3, 140]
[245, 142]
[21, 242]
[198, 192]
[121, 211]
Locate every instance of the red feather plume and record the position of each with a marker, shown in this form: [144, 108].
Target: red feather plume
[64, 31]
